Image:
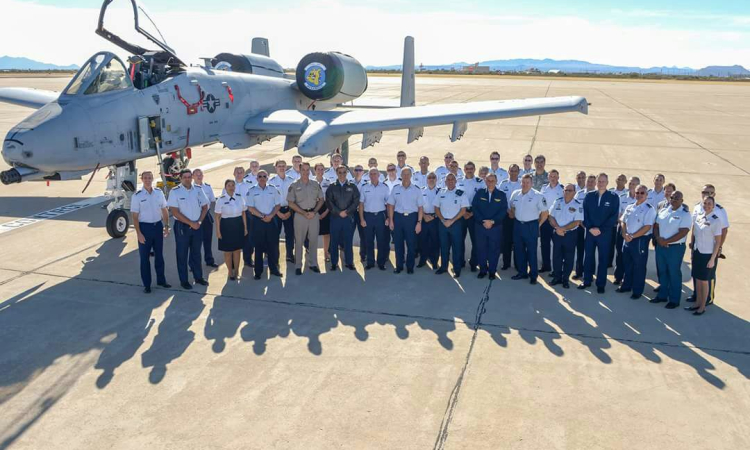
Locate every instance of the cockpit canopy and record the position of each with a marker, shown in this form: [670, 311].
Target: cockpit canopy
[103, 72]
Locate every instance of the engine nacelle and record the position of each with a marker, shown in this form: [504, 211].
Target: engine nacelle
[331, 77]
[255, 64]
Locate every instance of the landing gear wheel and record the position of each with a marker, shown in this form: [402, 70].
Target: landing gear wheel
[117, 223]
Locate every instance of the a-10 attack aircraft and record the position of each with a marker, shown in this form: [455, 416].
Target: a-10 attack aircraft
[110, 115]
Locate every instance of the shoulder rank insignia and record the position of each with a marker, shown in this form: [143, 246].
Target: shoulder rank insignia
[459, 192]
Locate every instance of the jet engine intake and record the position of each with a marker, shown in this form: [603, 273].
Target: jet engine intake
[331, 77]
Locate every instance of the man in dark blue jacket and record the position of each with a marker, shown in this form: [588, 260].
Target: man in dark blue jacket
[600, 211]
[489, 207]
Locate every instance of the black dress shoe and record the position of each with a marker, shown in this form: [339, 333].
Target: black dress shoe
[420, 265]
[277, 273]
[709, 302]
[583, 286]
[164, 285]
[315, 269]
[232, 278]
[690, 299]
[576, 277]
[187, 286]
[369, 266]
[620, 290]
[482, 275]
[440, 271]
[298, 271]
[201, 281]
[147, 290]
[532, 280]
[381, 267]
[566, 285]
[698, 313]
[397, 270]
[600, 289]
[555, 282]
[249, 263]
[635, 297]
[657, 300]
[473, 268]
[290, 259]
[657, 288]
[256, 277]
[213, 264]
[618, 282]
[410, 271]
[350, 267]
[544, 270]
[334, 268]
[505, 268]
[492, 276]
[692, 308]
[671, 305]
[519, 276]
[456, 274]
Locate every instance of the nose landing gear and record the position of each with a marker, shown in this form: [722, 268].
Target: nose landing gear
[121, 185]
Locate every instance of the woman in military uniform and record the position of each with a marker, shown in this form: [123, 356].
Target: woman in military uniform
[231, 227]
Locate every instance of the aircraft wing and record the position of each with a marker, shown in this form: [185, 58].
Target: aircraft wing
[30, 98]
[320, 132]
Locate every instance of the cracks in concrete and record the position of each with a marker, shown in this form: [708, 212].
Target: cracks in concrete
[450, 409]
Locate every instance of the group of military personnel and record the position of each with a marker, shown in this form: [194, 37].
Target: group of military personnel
[583, 228]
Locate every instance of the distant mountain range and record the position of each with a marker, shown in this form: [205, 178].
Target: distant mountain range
[574, 66]
[13, 63]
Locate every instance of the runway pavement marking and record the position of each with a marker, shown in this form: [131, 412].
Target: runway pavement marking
[52, 213]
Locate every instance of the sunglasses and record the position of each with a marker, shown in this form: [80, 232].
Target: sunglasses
[358, 170]
[707, 193]
[391, 170]
[640, 193]
[494, 159]
[262, 176]
[400, 156]
[569, 190]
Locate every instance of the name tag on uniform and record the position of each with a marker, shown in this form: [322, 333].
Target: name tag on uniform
[606, 203]
[571, 210]
[348, 189]
[497, 200]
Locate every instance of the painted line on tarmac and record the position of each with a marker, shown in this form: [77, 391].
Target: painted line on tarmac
[51, 214]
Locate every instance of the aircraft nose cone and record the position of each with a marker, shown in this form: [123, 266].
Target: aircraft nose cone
[17, 148]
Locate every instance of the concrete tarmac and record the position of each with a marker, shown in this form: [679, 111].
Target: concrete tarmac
[370, 359]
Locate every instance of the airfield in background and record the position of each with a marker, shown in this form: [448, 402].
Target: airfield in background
[376, 360]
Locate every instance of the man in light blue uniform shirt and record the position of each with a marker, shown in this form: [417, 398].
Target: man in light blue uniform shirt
[508, 187]
[405, 220]
[189, 207]
[264, 201]
[373, 198]
[450, 206]
[529, 208]
[151, 221]
[626, 200]
[551, 192]
[429, 240]
[495, 168]
[565, 216]
[671, 229]
[637, 222]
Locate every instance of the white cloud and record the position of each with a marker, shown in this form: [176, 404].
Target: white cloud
[65, 35]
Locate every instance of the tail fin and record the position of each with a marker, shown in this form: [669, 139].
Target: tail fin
[260, 47]
[408, 92]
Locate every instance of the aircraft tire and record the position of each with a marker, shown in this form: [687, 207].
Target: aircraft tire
[117, 223]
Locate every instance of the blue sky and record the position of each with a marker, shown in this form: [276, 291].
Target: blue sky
[681, 33]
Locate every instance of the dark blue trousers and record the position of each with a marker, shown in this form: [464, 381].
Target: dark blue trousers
[619, 261]
[154, 234]
[487, 242]
[669, 262]
[362, 239]
[207, 234]
[450, 242]
[525, 241]
[342, 233]
[580, 250]
[468, 227]
[545, 239]
[507, 244]
[376, 230]
[563, 254]
[249, 247]
[188, 248]
[405, 239]
[596, 246]
[288, 226]
[429, 242]
[266, 240]
[635, 256]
